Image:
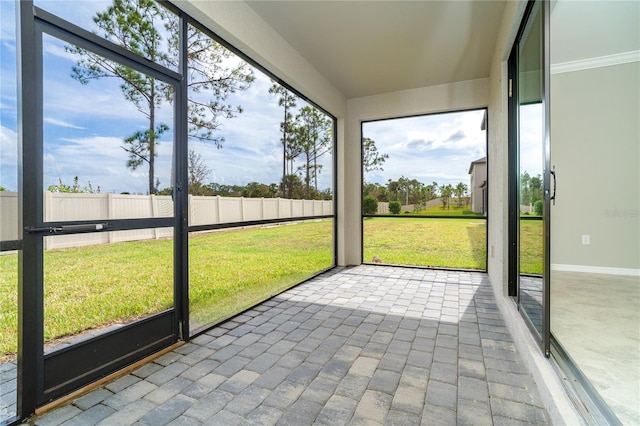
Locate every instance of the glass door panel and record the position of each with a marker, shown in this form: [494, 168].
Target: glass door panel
[595, 278]
[531, 124]
[107, 137]
[106, 160]
[529, 195]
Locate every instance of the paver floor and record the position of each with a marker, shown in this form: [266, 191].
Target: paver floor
[366, 345]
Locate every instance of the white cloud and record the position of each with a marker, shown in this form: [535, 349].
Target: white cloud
[60, 123]
[102, 161]
[428, 148]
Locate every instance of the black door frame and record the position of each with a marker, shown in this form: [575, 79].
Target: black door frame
[44, 377]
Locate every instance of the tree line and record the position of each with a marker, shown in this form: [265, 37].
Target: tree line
[306, 138]
[531, 191]
[410, 191]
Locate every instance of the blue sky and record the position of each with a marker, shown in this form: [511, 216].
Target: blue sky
[84, 127]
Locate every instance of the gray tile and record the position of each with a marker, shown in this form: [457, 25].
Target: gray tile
[94, 397]
[384, 381]
[209, 405]
[518, 411]
[264, 416]
[247, 401]
[302, 412]
[168, 410]
[374, 405]
[442, 394]
[409, 399]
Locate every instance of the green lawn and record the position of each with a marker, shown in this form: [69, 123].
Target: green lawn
[230, 271]
[93, 286]
[531, 238]
[454, 243]
[452, 210]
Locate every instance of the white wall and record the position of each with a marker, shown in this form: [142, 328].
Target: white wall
[478, 177]
[595, 147]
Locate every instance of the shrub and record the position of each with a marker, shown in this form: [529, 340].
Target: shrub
[537, 207]
[394, 207]
[369, 205]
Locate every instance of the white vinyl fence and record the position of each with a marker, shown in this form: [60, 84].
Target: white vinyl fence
[104, 207]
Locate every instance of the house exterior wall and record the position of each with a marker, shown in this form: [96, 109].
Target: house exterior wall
[478, 176]
[497, 152]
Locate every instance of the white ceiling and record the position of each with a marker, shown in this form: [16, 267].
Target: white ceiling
[371, 47]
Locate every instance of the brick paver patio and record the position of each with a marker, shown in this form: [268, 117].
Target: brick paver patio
[366, 345]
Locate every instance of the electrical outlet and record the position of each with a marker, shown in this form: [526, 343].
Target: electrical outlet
[586, 240]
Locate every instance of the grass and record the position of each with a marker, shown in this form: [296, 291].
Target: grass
[454, 243]
[531, 239]
[93, 286]
[252, 265]
[453, 210]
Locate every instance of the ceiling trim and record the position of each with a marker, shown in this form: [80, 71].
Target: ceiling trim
[598, 62]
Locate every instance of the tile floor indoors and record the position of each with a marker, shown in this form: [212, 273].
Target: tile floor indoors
[596, 318]
[363, 345]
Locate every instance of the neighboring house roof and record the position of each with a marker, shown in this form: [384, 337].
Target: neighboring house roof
[478, 161]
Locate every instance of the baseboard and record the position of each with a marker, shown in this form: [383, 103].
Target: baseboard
[596, 270]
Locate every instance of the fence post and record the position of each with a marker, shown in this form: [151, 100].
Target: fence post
[153, 214]
[110, 213]
[47, 217]
[218, 207]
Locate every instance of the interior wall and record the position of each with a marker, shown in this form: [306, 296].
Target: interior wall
[447, 97]
[595, 134]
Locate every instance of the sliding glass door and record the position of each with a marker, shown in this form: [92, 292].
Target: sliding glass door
[529, 175]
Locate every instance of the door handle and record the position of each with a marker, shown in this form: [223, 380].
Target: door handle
[553, 197]
[67, 229]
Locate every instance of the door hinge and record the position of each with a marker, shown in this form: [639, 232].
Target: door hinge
[510, 87]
